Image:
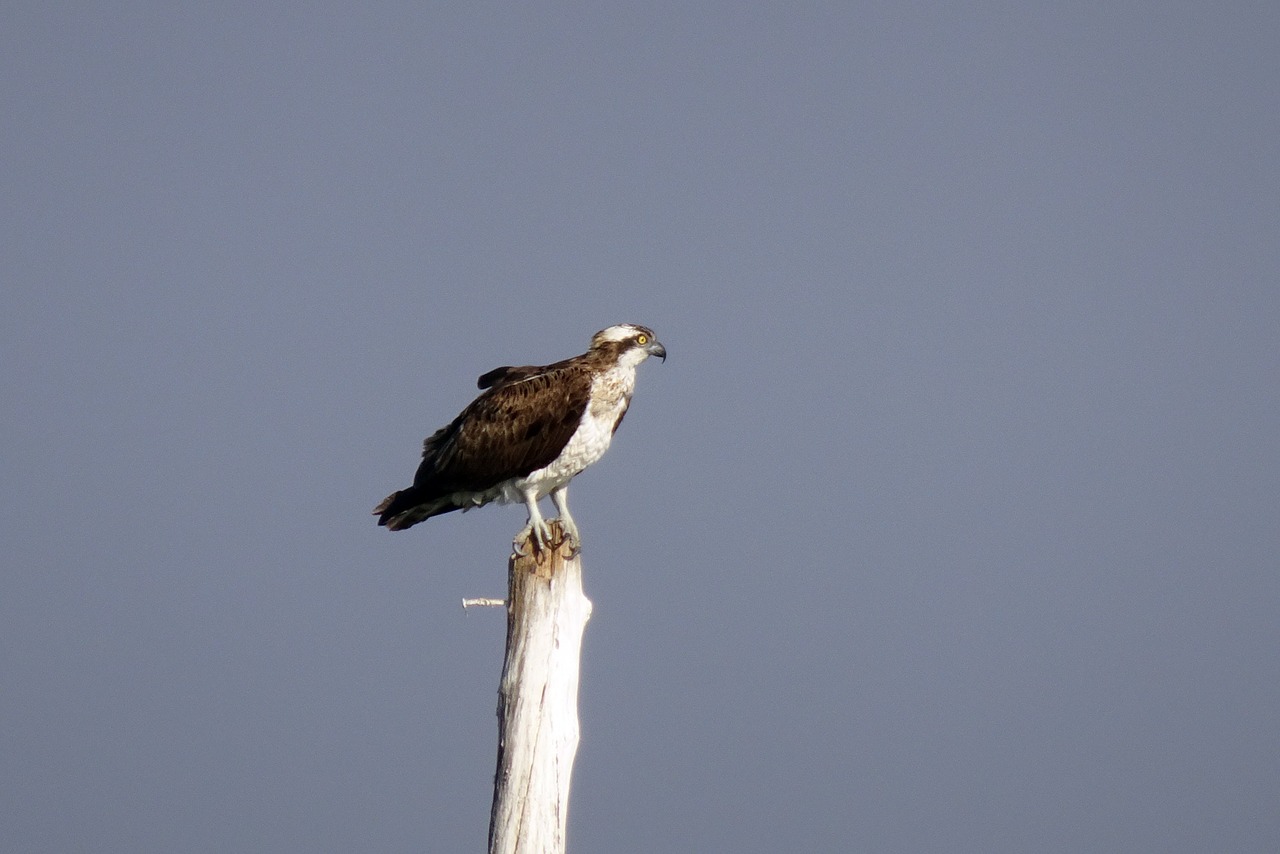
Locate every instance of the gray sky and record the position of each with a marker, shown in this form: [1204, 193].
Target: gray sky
[950, 524]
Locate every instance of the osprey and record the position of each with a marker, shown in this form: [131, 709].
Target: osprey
[527, 435]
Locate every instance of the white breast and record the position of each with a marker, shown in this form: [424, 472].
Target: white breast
[610, 393]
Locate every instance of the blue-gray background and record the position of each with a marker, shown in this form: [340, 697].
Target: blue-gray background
[950, 524]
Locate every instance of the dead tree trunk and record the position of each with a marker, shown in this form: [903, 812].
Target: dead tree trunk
[538, 699]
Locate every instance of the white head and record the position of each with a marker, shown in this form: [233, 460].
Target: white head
[631, 342]
[620, 332]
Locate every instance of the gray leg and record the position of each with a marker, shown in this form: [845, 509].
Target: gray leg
[560, 498]
[537, 527]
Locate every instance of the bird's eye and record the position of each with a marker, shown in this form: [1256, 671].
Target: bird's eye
[642, 339]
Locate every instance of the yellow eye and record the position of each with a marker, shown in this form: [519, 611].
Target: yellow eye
[642, 339]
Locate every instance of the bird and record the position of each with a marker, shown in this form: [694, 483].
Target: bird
[529, 433]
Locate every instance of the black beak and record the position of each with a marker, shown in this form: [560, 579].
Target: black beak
[656, 349]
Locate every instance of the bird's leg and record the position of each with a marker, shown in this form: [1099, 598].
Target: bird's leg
[560, 498]
[537, 528]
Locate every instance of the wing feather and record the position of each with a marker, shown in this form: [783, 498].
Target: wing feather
[507, 373]
[519, 424]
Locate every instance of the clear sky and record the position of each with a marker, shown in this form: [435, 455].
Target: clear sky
[950, 523]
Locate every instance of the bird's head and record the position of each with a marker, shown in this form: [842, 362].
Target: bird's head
[631, 343]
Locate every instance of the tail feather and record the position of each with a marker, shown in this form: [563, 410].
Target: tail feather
[408, 507]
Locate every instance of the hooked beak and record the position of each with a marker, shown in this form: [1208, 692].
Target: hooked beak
[655, 348]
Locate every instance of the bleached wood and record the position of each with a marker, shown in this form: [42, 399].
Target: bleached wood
[483, 602]
[538, 699]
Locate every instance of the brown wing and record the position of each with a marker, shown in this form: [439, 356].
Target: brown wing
[507, 373]
[519, 424]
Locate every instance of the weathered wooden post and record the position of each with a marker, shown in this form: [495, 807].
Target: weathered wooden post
[538, 698]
